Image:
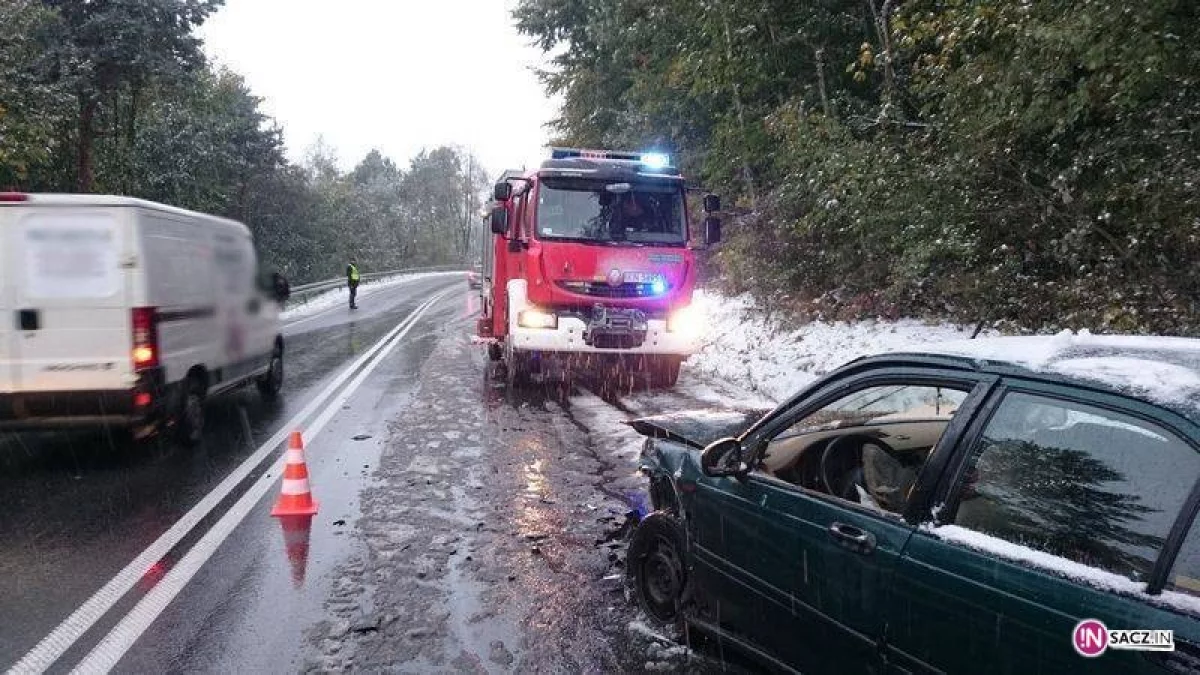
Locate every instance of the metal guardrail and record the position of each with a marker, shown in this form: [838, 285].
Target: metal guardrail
[302, 294]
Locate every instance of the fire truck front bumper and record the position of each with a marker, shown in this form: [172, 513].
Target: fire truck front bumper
[573, 334]
[601, 329]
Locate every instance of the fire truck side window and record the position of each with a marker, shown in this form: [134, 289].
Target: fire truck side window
[526, 214]
[518, 210]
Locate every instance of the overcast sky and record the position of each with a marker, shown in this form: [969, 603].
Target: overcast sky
[397, 75]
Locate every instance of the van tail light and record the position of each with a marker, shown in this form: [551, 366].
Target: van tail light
[145, 338]
[14, 197]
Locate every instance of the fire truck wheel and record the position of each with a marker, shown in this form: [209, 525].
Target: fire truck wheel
[516, 368]
[664, 371]
[494, 352]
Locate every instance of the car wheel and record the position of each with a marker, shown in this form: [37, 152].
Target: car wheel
[658, 569]
[189, 421]
[270, 384]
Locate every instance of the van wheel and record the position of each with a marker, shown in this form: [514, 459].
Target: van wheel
[270, 384]
[189, 422]
[658, 568]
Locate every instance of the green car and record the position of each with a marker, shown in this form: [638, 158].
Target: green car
[1011, 505]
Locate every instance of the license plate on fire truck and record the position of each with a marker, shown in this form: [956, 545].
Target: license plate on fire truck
[641, 277]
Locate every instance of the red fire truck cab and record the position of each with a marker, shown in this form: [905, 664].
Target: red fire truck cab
[590, 263]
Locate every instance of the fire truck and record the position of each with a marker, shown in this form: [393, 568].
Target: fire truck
[591, 264]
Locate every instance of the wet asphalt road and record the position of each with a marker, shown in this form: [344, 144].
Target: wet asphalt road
[77, 507]
[462, 527]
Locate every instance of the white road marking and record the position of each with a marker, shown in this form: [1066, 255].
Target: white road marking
[54, 645]
[113, 647]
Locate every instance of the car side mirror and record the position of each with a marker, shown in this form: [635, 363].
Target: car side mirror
[499, 220]
[723, 458]
[502, 191]
[712, 203]
[712, 230]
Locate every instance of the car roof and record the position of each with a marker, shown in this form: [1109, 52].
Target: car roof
[1160, 370]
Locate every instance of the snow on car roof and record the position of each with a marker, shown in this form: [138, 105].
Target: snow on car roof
[1165, 370]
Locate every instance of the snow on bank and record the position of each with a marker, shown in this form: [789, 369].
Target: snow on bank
[745, 350]
[340, 296]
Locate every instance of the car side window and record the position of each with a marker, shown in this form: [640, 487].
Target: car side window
[1084, 483]
[868, 446]
[1185, 575]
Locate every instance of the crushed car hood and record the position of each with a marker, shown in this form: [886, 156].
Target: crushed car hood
[698, 428]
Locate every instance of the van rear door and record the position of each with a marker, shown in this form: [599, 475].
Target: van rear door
[72, 322]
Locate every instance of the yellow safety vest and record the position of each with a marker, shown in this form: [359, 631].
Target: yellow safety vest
[353, 273]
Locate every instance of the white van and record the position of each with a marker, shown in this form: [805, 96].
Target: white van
[123, 312]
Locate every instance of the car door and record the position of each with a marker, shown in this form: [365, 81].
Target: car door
[802, 574]
[1061, 508]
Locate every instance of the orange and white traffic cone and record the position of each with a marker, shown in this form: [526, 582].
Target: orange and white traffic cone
[296, 497]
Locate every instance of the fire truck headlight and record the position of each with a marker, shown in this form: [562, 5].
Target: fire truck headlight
[687, 321]
[658, 286]
[536, 318]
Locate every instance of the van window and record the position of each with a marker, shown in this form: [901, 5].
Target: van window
[71, 255]
[1083, 483]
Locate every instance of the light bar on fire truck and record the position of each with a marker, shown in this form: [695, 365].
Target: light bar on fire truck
[651, 160]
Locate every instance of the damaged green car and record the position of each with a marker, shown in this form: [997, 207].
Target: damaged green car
[978, 507]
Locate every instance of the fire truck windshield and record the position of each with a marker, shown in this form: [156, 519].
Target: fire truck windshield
[587, 210]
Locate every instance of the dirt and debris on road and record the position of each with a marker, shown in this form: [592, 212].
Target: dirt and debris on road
[492, 537]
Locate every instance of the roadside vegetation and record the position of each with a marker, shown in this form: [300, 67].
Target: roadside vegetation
[1023, 165]
[117, 98]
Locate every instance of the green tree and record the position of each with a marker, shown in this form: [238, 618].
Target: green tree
[111, 52]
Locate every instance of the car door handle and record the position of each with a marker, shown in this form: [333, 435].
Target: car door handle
[854, 538]
[1185, 658]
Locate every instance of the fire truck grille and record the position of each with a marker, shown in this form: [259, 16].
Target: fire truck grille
[601, 289]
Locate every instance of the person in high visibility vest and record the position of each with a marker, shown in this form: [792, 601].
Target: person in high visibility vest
[352, 278]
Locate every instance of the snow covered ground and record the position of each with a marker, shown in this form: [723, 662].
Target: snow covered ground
[775, 361]
[338, 297]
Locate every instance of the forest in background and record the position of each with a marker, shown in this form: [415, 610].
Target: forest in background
[116, 97]
[1030, 165]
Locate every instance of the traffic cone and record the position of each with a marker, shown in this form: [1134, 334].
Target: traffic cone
[296, 496]
[296, 532]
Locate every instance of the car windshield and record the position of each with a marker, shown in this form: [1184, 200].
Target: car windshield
[581, 209]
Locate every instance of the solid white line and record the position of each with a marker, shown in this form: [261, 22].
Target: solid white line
[113, 647]
[54, 645]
